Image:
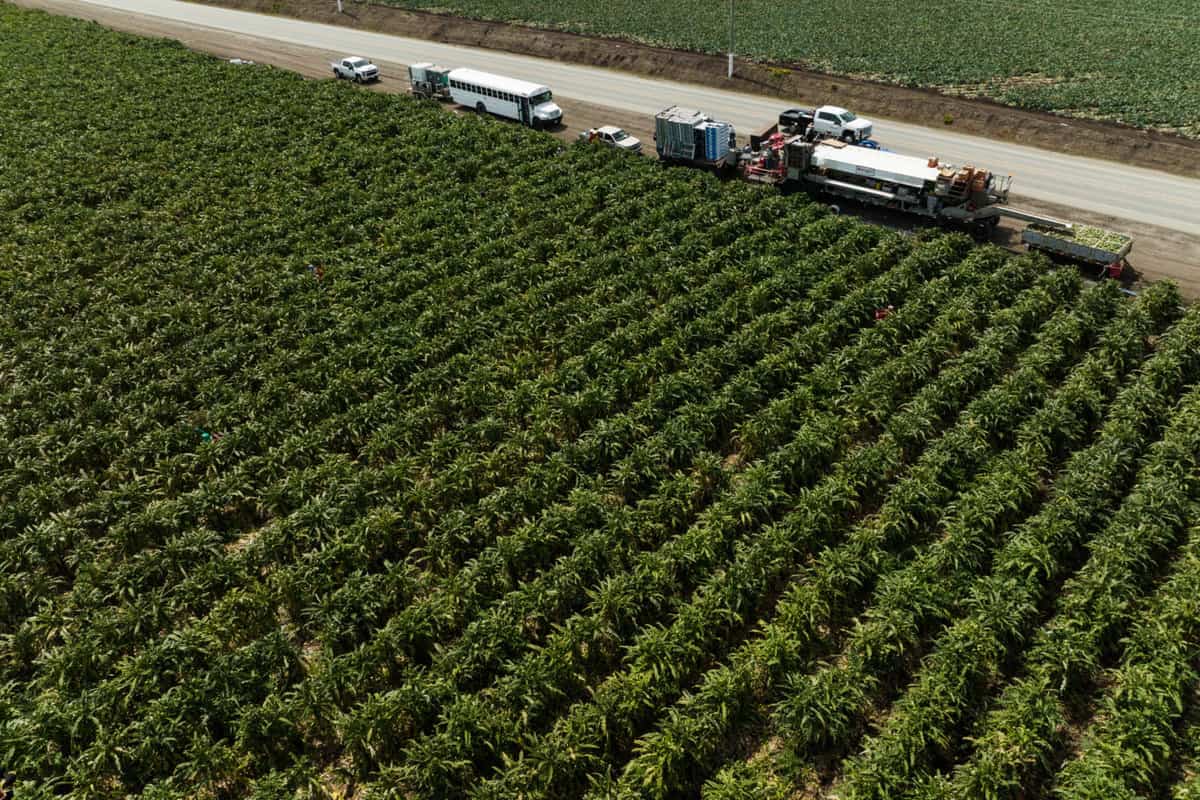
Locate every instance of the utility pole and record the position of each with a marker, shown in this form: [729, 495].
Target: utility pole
[730, 75]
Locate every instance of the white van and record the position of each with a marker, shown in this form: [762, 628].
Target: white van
[529, 103]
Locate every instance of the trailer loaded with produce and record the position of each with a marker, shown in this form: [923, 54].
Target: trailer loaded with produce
[1085, 243]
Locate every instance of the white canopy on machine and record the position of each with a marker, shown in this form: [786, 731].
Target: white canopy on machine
[885, 167]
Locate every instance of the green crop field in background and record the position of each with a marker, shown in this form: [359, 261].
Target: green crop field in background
[1136, 61]
[350, 448]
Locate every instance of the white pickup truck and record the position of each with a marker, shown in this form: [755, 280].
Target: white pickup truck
[354, 68]
[612, 136]
[832, 121]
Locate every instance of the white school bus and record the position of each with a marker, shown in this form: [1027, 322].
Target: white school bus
[530, 104]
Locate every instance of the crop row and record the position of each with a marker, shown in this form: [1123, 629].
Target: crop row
[821, 709]
[108, 690]
[829, 591]
[1019, 737]
[607, 723]
[926, 719]
[1128, 747]
[568, 475]
[556, 673]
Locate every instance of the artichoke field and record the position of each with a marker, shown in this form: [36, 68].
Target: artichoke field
[351, 448]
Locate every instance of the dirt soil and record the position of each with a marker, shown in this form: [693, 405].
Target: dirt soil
[1158, 252]
[1095, 139]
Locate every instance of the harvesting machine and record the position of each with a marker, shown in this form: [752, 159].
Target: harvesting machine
[962, 195]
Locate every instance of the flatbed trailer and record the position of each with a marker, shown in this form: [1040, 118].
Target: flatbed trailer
[1085, 243]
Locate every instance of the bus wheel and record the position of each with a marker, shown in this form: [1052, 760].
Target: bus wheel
[481, 108]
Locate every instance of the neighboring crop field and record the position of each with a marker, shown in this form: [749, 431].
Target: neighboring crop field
[558, 474]
[1134, 61]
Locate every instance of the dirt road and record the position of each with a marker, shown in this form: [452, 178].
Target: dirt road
[1161, 251]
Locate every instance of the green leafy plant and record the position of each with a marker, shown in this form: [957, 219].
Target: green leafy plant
[349, 443]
